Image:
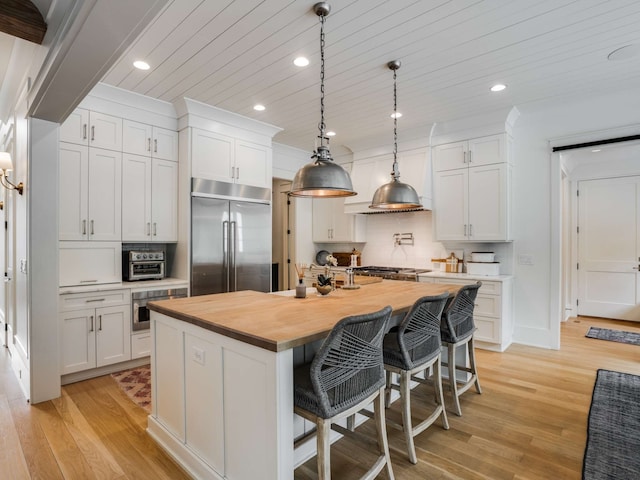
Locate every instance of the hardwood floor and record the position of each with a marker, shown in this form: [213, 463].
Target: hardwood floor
[529, 423]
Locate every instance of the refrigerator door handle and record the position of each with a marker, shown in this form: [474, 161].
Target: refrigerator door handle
[232, 254]
[225, 253]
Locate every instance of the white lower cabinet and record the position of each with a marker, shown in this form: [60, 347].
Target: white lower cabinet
[95, 330]
[141, 344]
[492, 312]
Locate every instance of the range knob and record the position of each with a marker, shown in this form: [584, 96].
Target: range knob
[144, 256]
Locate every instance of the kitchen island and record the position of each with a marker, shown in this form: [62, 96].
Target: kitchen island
[222, 372]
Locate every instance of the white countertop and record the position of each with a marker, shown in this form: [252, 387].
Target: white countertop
[140, 285]
[466, 276]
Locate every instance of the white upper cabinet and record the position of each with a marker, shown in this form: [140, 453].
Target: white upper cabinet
[227, 159]
[472, 190]
[142, 139]
[367, 175]
[89, 193]
[471, 153]
[149, 199]
[93, 129]
[332, 225]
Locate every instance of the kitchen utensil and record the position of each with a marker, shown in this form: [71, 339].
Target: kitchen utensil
[451, 264]
[321, 257]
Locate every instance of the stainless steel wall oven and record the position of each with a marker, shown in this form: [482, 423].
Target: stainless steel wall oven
[140, 314]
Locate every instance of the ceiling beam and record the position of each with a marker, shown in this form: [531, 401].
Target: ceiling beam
[22, 19]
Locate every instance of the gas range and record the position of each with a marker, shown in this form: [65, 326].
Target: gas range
[391, 273]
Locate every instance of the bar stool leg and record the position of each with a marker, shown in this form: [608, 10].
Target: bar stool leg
[387, 390]
[439, 393]
[381, 427]
[472, 363]
[405, 394]
[324, 448]
[452, 378]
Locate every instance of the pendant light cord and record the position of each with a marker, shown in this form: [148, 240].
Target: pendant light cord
[396, 173]
[321, 125]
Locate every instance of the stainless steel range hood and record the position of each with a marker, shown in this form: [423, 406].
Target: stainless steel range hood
[370, 173]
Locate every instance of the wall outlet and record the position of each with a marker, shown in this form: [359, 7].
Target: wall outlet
[23, 265]
[525, 259]
[198, 355]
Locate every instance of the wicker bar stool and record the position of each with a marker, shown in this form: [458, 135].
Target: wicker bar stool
[415, 347]
[457, 329]
[345, 375]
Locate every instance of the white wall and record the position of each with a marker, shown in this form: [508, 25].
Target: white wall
[537, 192]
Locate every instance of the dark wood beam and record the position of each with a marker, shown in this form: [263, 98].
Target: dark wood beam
[22, 19]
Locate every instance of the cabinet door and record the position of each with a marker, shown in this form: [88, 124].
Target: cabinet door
[488, 203]
[73, 192]
[105, 199]
[136, 138]
[343, 223]
[252, 164]
[105, 131]
[362, 173]
[165, 144]
[487, 150]
[414, 170]
[322, 225]
[77, 341]
[212, 156]
[164, 201]
[75, 128]
[450, 206]
[113, 335]
[89, 263]
[136, 198]
[450, 156]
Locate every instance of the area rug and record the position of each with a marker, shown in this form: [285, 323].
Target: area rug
[136, 383]
[613, 430]
[614, 335]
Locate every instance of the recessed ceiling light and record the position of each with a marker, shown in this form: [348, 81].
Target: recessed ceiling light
[498, 87]
[331, 133]
[625, 53]
[595, 150]
[140, 65]
[396, 115]
[259, 107]
[301, 62]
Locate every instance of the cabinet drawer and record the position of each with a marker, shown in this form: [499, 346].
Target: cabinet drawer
[78, 301]
[487, 305]
[487, 288]
[488, 329]
[141, 345]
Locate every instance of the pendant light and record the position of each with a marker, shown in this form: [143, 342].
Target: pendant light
[323, 177]
[395, 195]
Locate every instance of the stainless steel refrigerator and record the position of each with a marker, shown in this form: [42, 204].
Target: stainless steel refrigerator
[230, 238]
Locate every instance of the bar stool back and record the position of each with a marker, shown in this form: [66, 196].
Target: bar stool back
[345, 375]
[457, 329]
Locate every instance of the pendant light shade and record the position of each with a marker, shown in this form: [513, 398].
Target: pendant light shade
[323, 177]
[395, 195]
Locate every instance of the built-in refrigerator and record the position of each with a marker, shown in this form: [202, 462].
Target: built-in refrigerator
[230, 238]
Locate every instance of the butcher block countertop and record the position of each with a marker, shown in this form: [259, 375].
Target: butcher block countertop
[277, 322]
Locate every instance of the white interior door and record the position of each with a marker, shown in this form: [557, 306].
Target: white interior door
[609, 248]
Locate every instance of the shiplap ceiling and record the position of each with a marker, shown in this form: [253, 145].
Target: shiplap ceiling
[234, 54]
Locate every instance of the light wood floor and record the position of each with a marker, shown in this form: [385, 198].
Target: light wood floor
[529, 423]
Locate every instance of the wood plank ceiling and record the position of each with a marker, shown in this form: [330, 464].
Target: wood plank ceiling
[236, 53]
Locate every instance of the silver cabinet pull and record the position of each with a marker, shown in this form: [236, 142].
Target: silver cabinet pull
[155, 229]
[470, 230]
[93, 133]
[155, 145]
[148, 228]
[84, 131]
[95, 300]
[88, 281]
[100, 322]
[91, 319]
[149, 144]
[635, 268]
[92, 227]
[465, 229]
[233, 172]
[464, 157]
[84, 227]
[469, 156]
[237, 173]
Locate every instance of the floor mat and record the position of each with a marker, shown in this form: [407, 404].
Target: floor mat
[620, 336]
[136, 383]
